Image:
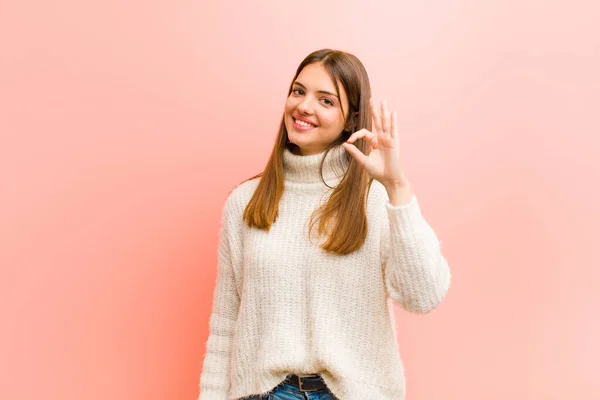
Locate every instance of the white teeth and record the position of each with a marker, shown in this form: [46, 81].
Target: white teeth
[303, 123]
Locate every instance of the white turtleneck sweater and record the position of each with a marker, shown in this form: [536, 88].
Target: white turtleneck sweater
[283, 305]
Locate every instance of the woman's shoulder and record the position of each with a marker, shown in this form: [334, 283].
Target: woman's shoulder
[239, 197]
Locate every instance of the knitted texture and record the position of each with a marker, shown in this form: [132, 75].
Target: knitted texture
[283, 305]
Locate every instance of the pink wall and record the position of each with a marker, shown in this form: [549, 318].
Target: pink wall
[125, 124]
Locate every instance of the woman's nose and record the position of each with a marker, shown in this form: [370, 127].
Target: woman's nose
[306, 106]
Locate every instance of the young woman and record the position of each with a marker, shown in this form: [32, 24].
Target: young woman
[314, 250]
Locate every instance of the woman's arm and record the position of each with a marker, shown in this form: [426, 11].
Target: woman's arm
[416, 274]
[215, 377]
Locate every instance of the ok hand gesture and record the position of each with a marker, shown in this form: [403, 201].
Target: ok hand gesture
[383, 160]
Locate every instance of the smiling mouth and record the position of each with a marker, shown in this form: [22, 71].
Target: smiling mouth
[303, 124]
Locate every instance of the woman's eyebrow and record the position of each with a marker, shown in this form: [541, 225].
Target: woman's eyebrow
[319, 91]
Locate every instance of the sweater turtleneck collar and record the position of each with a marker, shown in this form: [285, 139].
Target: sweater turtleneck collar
[305, 169]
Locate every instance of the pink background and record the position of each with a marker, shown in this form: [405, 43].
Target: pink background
[124, 126]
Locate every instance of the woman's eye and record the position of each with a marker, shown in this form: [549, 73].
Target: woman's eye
[329, 102]
[295, 91]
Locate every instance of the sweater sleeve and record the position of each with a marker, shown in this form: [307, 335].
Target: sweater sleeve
[416, 274]
[215, 377]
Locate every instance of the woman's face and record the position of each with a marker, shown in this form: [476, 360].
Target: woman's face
[313, 117]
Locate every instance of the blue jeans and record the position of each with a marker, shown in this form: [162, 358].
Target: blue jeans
[285, 391]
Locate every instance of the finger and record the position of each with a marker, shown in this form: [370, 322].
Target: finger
[356, 135]
[385, 114]
[376, 117]
[363, 133]
[394, 128]
[356, 153]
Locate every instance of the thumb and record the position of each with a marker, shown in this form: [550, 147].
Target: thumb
[356, 153]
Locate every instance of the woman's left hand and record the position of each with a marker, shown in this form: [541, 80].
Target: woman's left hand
[383, 160]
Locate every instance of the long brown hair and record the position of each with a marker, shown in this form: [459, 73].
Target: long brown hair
[345, 210]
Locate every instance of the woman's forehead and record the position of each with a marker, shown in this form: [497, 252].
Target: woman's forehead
[316, 75]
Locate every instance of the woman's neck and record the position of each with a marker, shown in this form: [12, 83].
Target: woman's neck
[299, 168]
